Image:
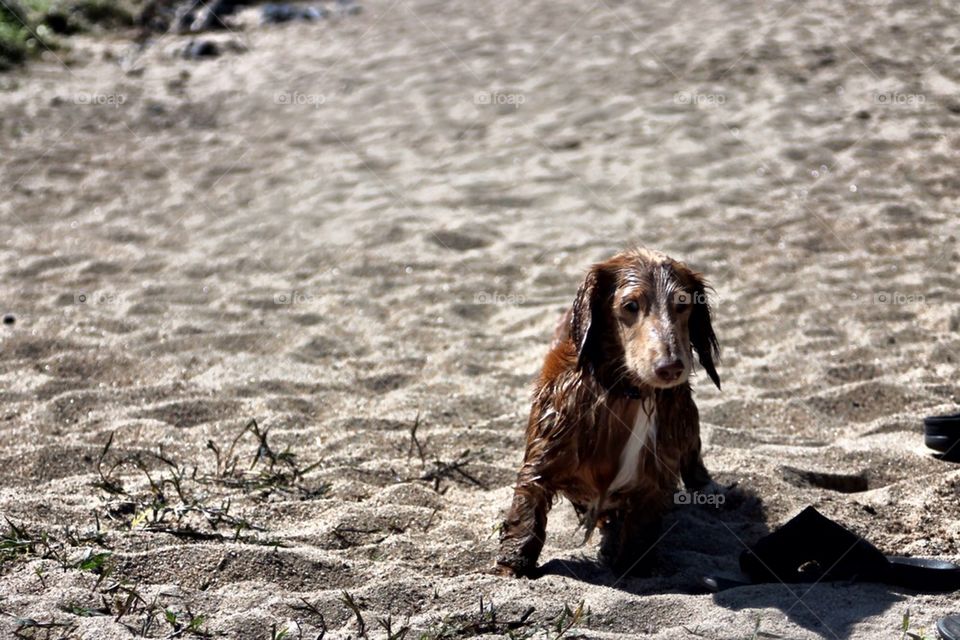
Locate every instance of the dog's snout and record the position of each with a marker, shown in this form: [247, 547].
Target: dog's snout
[668, 369]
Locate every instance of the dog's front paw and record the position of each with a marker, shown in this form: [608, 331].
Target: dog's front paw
[712, 488]
[713, 493]
[504, 571]
[507, 569]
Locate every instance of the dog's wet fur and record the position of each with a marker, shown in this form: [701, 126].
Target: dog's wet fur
[613, 426]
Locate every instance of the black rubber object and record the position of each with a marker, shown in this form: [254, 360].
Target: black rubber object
[716, 584]
[949, 627]
[942, 433]
[812, 548]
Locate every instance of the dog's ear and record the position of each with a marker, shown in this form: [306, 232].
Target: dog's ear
[702, 337]
[587, 314]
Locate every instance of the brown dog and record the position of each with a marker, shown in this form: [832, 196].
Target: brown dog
[613, 426]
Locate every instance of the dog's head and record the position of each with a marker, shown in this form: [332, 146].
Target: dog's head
[640, 316]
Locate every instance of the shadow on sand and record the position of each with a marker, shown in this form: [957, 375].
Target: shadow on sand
[699, 541]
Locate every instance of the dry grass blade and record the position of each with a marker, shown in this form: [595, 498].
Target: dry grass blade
[452, 471]
[352, 604]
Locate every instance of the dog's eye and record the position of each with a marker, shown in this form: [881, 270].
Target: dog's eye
[631, 306]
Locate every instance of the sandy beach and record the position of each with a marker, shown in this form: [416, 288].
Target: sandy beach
[276, 314]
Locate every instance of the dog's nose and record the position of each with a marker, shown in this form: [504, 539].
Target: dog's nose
[668, 370]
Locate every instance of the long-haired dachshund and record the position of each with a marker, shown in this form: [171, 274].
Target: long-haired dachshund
[613, 426]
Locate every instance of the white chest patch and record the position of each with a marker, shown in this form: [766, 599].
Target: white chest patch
[643, 433]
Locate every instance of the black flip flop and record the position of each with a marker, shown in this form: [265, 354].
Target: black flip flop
[942, 433]
[813, 548]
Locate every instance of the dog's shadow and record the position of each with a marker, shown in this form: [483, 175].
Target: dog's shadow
[706, 541]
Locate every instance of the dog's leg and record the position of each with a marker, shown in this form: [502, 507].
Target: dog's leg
[693, 471]
[628, 540]
[524, 529]
[611, 539]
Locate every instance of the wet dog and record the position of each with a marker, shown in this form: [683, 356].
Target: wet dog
[613, 426]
